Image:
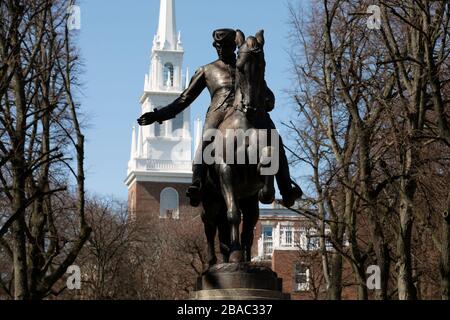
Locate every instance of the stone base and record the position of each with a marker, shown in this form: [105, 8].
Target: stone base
[239, 281]
[238, 294]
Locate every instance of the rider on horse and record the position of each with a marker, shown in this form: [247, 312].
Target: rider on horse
[219, 78]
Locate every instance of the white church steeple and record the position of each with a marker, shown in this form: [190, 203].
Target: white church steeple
[167, 35]
[163, 152]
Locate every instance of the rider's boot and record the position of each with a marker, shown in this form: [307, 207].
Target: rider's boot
[267, 193]
[193, 192]
[289, 192]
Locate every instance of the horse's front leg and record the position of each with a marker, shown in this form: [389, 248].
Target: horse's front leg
[233, 213]
[210, 233]
[224, 234]
[210, 215]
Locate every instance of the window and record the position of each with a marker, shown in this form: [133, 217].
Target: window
[303, 238]
[160, 129]
[168, 204]
[177, 124]
[328, 244]
[267, 241]
[267, 231]
[313, 240]
[168, 74]
[301, 277]
[286, 235]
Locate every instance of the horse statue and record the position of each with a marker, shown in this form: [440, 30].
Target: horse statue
[232, 189]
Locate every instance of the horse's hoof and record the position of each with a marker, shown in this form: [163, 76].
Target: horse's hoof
[212, 262]
[209, 265]
[236, 256]
[266, 197]
[206, 269]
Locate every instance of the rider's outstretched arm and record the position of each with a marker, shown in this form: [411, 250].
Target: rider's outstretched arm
[196, 86]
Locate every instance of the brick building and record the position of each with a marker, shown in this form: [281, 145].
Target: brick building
[289, 243]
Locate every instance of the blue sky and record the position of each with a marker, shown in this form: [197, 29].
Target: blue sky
[115, 41]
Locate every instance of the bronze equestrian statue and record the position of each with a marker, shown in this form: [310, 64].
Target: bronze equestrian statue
[240, 99]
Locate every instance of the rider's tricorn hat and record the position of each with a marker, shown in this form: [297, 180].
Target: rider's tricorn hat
[224, 36]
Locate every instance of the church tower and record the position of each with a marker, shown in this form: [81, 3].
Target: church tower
[160, 166]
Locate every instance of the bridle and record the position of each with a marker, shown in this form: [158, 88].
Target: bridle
[244, 106]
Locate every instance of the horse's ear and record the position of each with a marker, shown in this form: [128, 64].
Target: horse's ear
[260, 37]
[240, 38]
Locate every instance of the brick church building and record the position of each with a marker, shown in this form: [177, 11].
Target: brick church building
[159, 171]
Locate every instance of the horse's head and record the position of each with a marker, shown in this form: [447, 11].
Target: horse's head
[250, 68]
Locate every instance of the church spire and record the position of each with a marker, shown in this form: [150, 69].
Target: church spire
[167, 37]
[153, 155]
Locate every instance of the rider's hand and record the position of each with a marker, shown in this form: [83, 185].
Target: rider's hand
[147, 118]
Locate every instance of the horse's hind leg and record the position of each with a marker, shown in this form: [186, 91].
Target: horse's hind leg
[250, 213]
[224, 235]
[233, 212]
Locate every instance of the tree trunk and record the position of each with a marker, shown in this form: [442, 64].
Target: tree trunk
[357, 261]
[360, 277]
[18, 168]
[406, 288]
[378, 239]
[19, 260]
[335, 289]
[383, 259]
[405, 284]
[445, 253]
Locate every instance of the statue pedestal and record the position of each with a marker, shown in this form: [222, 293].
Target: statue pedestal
[239, 281]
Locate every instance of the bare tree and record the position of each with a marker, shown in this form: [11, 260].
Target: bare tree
[154, 259]
[418, 60]
[41, 143]
[373, 127]
[329, 100]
